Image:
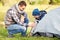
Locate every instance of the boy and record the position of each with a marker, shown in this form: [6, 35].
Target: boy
[38, 15]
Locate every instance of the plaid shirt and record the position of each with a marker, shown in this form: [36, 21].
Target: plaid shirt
[13, 16]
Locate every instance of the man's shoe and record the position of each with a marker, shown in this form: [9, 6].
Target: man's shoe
[10, 36]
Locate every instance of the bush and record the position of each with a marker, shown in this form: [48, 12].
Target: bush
[32, 3]
[56, 1]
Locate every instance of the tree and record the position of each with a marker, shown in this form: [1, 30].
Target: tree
[2, 2]
[50, 2]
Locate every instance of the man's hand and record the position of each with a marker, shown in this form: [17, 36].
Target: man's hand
[22, 19]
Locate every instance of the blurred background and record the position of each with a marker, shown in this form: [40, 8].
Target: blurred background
[30, 2]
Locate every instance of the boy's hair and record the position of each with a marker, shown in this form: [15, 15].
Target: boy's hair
[21, 3]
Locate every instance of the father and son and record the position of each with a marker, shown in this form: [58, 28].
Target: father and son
[16, 19]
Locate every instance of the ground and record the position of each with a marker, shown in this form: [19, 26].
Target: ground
[29, 9]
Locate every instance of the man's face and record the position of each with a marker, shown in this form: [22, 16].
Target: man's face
[22, 7]
[36, 17]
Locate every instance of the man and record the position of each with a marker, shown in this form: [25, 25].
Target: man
[16, 19]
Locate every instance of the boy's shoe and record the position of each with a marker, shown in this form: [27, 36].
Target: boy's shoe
[49, 35]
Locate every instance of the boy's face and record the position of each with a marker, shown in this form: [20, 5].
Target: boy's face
[36, 17]
[22, 7]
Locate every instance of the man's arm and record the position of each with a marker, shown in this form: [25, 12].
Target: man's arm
[15, 17]
[26, 20]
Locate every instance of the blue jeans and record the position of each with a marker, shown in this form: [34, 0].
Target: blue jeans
[16, 28]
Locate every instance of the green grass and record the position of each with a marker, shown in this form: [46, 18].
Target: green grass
[4, 34]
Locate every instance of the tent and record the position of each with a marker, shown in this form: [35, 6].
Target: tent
[50, 24]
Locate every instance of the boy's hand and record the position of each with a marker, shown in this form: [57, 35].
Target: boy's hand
[29, 34]
[32, 24]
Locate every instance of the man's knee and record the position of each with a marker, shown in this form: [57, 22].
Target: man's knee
[16, 26]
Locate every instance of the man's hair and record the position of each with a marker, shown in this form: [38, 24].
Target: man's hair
[21, 3]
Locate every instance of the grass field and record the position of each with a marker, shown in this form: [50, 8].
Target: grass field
[29, 8]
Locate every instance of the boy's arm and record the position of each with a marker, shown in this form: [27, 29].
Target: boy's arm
[36, 21]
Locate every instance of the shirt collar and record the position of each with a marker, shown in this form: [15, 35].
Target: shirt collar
[19, 9]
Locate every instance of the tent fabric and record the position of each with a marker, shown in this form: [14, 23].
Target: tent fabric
[50, 23]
